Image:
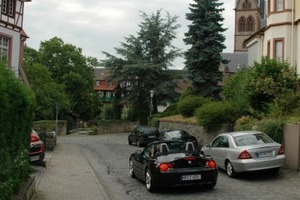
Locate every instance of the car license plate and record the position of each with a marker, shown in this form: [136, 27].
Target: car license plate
[191, 177]
[265, 154]
[151, 136]
[34, 158]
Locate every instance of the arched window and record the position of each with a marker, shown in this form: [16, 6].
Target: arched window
[242, 24]
[250, 24]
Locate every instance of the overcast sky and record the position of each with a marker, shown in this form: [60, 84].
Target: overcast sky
[100, 25]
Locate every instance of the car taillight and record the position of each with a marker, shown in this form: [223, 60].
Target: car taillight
[244, 155]
[34, 138]
[165, 166]
[281, 150]
[211, 164]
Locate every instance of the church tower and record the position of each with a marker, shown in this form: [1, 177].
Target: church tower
[248, 15]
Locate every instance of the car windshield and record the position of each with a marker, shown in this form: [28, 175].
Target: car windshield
[253, 139]
[174, 134]
[150, 131]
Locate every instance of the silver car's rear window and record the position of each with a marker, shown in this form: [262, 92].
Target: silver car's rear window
[252, 139]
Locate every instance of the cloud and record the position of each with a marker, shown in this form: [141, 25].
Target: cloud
[100, 25]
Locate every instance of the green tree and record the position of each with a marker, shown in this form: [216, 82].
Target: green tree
[81, 95]
[143, 64]
[31, 56]
[68, 66]
[47, 92]
[206, 43]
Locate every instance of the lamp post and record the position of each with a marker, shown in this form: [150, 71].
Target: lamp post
[151, 101]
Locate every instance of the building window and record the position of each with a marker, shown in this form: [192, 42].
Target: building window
[278, 49]
[4, 46]
[242, 24]
[269, 7]
[8, 7]
[250, 24]
[268, 49]
[279, 5]
[246, 4]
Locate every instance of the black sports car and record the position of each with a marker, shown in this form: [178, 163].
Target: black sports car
[172, 163]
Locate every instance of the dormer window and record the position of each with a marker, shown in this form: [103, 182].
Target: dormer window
[8, 7]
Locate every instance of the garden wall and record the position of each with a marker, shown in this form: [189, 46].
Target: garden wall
[118, 127]
[199, 132]
[292, 145]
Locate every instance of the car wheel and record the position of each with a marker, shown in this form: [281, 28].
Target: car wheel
[149, 182]
[138, 143]
[229, 170]
[129, 142]
[131, 171]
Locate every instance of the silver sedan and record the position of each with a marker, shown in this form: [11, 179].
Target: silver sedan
[244, 151]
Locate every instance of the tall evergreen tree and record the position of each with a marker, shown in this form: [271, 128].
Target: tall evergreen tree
[144, 62]
[206, 39]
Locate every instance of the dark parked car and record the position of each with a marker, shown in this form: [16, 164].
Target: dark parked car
[143, 135]
[37, 149]
[172, 163]
[244, 151]
[178, 135]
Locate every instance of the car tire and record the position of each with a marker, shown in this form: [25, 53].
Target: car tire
[131, 171]
[149, 182]
[229, 169]
[129, 142]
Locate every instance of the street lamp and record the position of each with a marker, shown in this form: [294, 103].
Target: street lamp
[151, 101]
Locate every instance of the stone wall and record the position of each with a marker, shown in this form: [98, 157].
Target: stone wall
[199, 132]
[118, 127]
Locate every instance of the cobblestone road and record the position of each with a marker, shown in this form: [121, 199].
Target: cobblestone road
[108, 156]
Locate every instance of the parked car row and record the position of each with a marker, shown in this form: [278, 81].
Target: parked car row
[173, 158]
[143, 135]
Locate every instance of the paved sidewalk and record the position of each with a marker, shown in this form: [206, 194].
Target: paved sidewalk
[67, 176]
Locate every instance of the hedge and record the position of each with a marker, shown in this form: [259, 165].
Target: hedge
[16, 119]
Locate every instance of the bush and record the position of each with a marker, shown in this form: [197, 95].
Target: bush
[169, 111]
[273, 128]
[107, 112]
[214, 114]
[285, 104]
[245, 123]
[189, 104]
[17, 106]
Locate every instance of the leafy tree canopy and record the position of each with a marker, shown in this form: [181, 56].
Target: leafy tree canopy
[144, 61]
[65, 65]
[47, 92]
